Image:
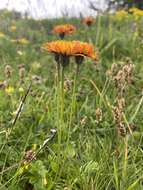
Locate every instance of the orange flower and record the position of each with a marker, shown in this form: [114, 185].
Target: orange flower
[88, 20]
[84, 49]
[59, 47]
[62, 30]
[65, 49]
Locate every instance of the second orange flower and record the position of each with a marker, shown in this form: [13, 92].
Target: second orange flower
[64, 29]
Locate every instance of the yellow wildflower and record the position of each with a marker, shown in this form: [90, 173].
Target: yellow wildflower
[120, 15]
[9, 90]
[137, 13]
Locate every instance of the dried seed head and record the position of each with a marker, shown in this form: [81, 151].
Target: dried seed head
[121, 103]
[114, 67]
[36, 79]
[83, 121]
[122, 129]
[119, 79]
[21, 66]
[128, 71]
[68, 84]
[123, 77]
[98, 114]
[117, 115]
[8, 71]
[22, 73]
[109, 73]
[3, 84]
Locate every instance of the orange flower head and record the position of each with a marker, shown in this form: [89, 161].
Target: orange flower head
[83, 49]
[88, 20]
[61, 49]
[62, 30]
[64, 49]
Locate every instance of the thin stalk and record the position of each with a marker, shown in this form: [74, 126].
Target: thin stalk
[73, 103]
[19, 110]
[58, 107]
[61, 105]
[60, 112]
[58, 72]
[137, 110]
[125, 158]
[62, 93]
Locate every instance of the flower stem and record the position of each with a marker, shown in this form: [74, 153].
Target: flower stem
[73, 103]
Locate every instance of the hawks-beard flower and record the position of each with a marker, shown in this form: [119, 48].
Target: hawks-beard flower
[61, 49]
[64, 29]
[64, 49]
[9, 90]
[88, 20]
[83, 49]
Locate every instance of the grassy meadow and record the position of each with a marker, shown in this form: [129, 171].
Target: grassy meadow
[76, 130]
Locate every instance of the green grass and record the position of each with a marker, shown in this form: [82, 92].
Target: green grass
[85, 153]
